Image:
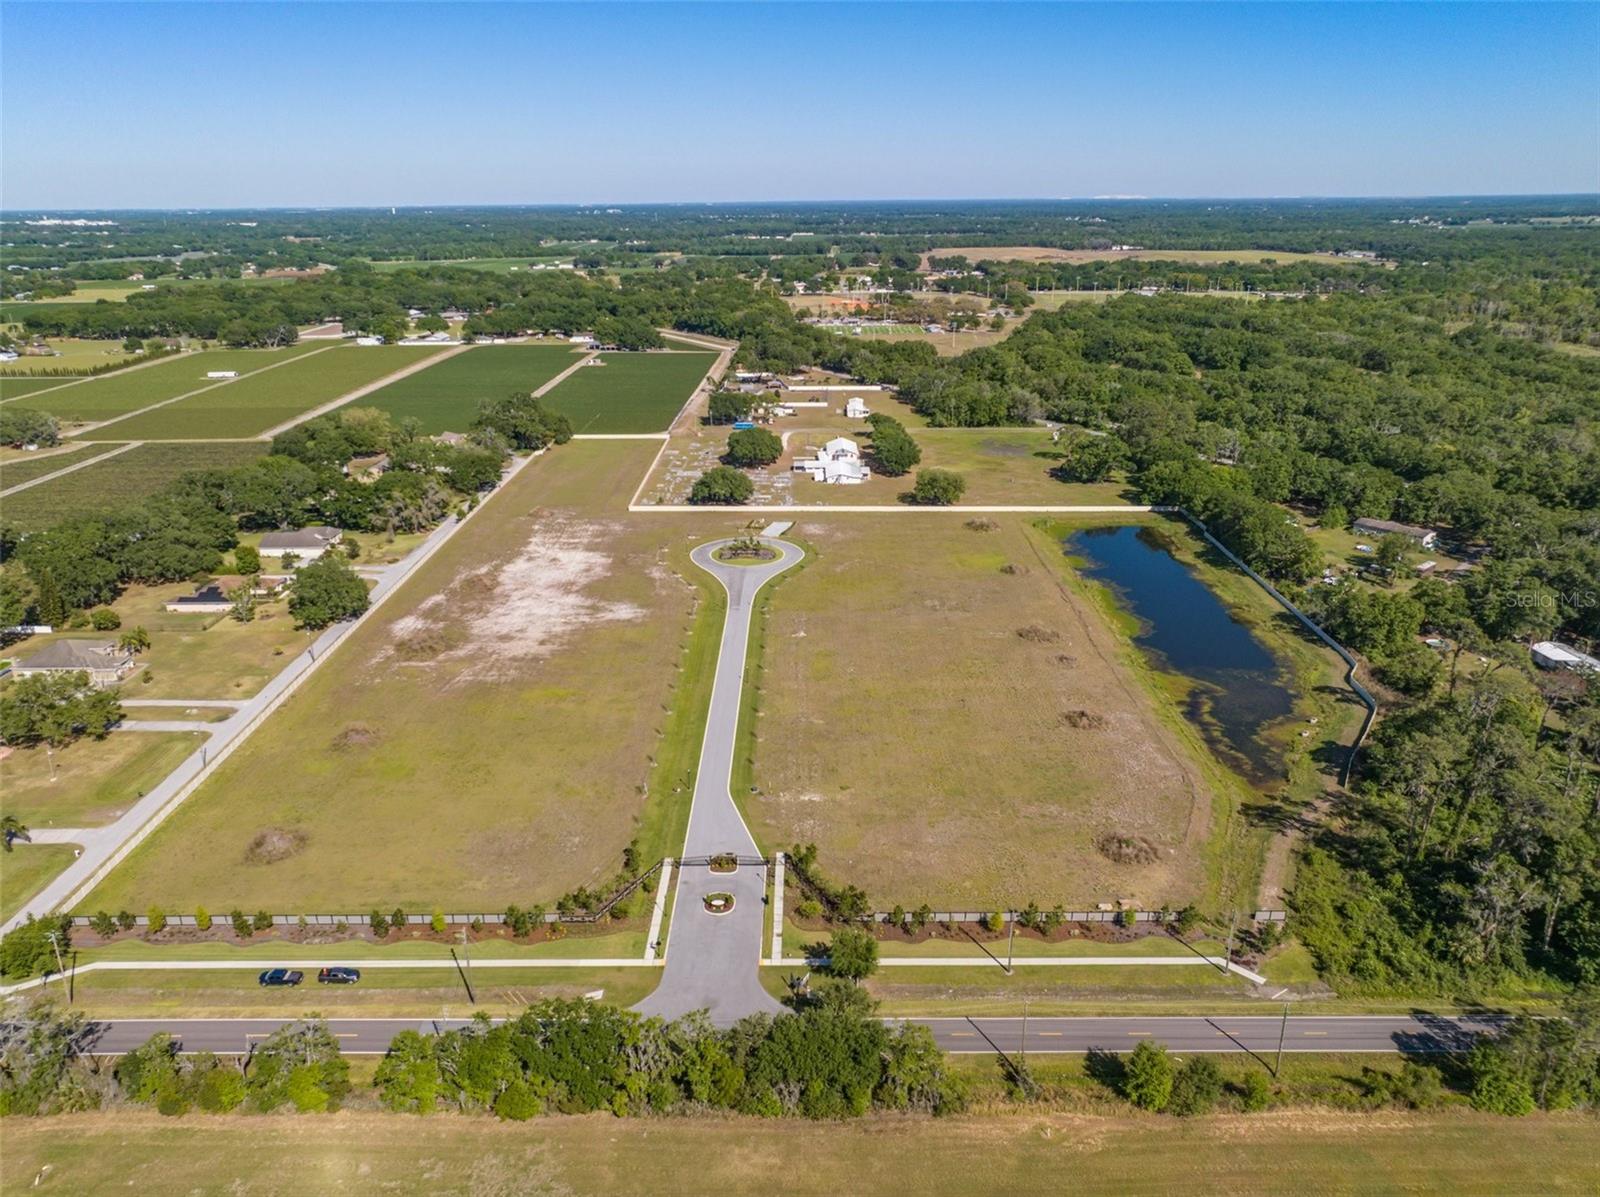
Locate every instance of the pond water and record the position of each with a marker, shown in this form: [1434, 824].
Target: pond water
[1238, 689]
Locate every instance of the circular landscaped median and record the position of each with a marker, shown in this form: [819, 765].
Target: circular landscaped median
[718, 903]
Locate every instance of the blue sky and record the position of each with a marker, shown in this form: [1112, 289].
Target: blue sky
[135, 105]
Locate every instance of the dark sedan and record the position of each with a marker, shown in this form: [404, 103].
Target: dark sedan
[281, 976]
[339, 976]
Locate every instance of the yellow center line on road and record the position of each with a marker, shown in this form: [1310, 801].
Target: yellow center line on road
[1313, 1032]
[1050, 1034]
[1138, 1032]
[963, 1034]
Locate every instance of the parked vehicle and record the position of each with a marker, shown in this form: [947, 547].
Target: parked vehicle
[281, 976]
[339, 975]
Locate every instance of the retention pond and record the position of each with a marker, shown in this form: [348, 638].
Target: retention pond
[1236, 690]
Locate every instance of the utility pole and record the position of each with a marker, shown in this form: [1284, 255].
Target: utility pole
[1283, 1029]
[466, 951]
[1233, 923]
[1011, 944]
[55, 942]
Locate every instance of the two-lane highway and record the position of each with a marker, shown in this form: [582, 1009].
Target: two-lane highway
[1186, 1033]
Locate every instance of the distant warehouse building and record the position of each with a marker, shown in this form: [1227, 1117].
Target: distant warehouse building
[1426, 537]
[1549, 654]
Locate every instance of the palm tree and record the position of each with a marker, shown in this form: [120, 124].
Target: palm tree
[12, 828]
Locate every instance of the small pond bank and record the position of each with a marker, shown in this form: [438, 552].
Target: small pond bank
[1237, 690]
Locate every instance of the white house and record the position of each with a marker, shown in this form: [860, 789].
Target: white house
[838, 462]
[855, 408]
[1551, 654]
[1426, 537]
[305, 543]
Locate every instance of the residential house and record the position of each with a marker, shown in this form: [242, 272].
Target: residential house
[1551, 654]
[366, 469]
[208, 600]
[855, 408]
[838, 463]
[307, 544]
[104, 662]
[1426, 537]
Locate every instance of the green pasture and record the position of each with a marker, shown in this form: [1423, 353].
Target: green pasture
[445, 397]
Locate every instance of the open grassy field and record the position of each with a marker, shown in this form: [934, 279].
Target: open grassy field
[205, 656]
[948, 731]
[71, 353]
[125, 478]
[632, 392]
[486, 738]
[107, 396]
[445, 397]
[15, 470]
[1002, 466]
[252, 406]
[1016, 1152]
[26, 869]
[1040, 253]
[89, 290]
[95, 780]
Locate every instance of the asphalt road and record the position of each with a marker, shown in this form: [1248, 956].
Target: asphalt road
[1219, 1033]
[713, 959]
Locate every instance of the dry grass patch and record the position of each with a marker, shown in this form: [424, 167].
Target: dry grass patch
[486, 738]
[947, 733]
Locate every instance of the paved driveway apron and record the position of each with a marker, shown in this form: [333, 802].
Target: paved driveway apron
[712, 959]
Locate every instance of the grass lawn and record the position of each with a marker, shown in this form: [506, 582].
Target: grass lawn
[950, 732]
[1021, 1151]
[632, 392]
[125, 478]
[486, 738]
[197, 656]
[381, 993]
[71, 353]
[107, 396]
[445, 398]
[15, 470]
[252, 406]
[26, 869]
[96, 780]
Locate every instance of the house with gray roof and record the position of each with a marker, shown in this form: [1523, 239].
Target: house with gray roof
[104, 662]
[305, 543]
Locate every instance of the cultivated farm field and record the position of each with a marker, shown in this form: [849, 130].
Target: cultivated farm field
[486, 738]
[127, 477]
[107, 396]
[445, 397]
[950, 723]
[254, 405]
[20, 468]
[631, 392]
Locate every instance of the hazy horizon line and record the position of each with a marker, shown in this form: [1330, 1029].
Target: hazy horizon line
[8, 209]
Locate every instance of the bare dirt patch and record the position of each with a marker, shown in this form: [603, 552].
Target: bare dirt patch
[1127, 849]
[1035, 634]
[1084, 720]
[356, 735]
[521, 608]
[274, 844]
